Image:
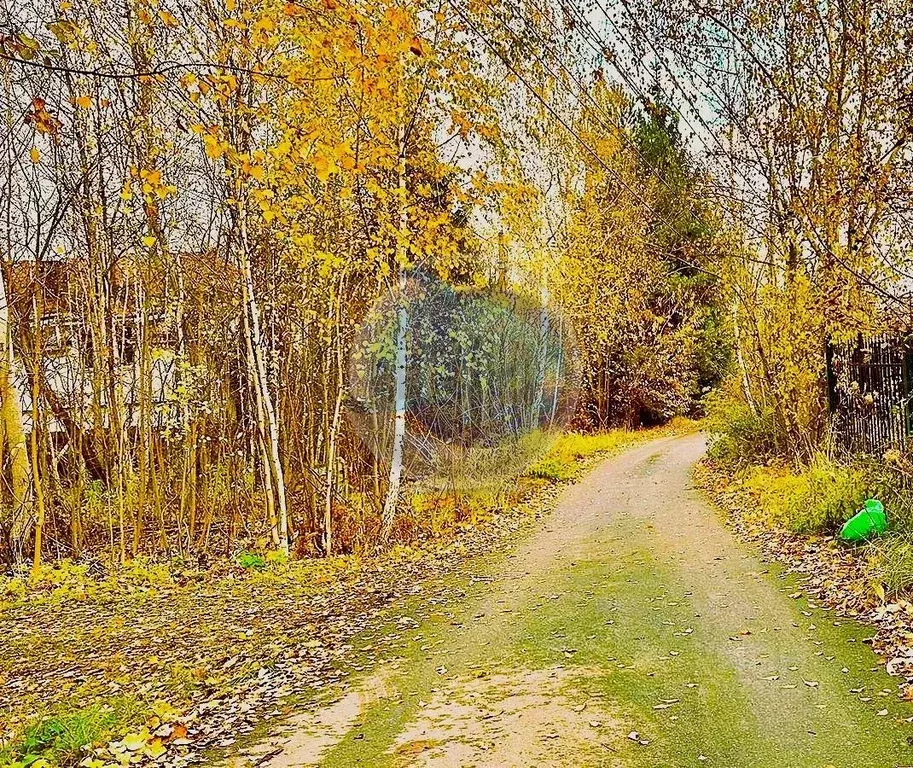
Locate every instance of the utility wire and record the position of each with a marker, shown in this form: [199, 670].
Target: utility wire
[613, 126]
[592, 152]
[544, 102]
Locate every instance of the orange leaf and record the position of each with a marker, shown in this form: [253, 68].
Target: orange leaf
[321, 167]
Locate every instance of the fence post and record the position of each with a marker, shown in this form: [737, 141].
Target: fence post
[907, 410]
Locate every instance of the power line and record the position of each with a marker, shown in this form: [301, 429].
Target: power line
[661, 59]
[613, 60]
[132, 74]
[551, 110]
[613, 126]
[494, 49]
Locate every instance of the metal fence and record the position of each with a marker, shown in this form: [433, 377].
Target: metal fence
[868, 387]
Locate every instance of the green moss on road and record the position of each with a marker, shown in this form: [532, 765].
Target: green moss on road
[687, 649]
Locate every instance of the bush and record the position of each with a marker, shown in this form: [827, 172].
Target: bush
[819, 498]
[738, 436]
[892, 482]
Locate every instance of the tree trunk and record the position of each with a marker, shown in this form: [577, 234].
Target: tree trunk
[11, 414]
[269, 424]
[542, 351]
[399, 418]
[402, 326]
[38, 357]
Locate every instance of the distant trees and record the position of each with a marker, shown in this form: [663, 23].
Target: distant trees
[640, 284]
[807, 108]
[481, 366]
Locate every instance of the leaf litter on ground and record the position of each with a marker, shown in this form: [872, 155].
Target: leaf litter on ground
[211, 657]
[832, 575]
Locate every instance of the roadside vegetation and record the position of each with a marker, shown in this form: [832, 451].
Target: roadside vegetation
[319, 254]
[815, 495]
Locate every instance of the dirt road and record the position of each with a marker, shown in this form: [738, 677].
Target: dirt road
[630, 630]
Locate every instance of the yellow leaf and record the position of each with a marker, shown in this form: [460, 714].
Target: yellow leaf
[168, 19]
[878, 589]
[155, 749]
[64, 31]
[321, 167]
[35, 154]
[214, 148]
[149, 241]
[134, 741]
[83, 102]
[165, 711]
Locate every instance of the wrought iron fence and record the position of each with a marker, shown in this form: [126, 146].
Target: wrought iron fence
[869, 392]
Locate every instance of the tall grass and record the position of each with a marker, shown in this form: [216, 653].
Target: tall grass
[562, 460]
[817, 498]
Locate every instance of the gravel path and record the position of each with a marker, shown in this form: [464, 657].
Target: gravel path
[631, 629]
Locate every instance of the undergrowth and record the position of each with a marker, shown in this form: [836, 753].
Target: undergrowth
[561, 461]
[816, 496]
[474, 486]
[61, 736]
[567, 455]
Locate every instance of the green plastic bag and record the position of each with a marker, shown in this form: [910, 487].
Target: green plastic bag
[868, 522]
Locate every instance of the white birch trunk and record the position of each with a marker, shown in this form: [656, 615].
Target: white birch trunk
[399, 418]
[266, 409]
[402, 327]
[334, 431]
